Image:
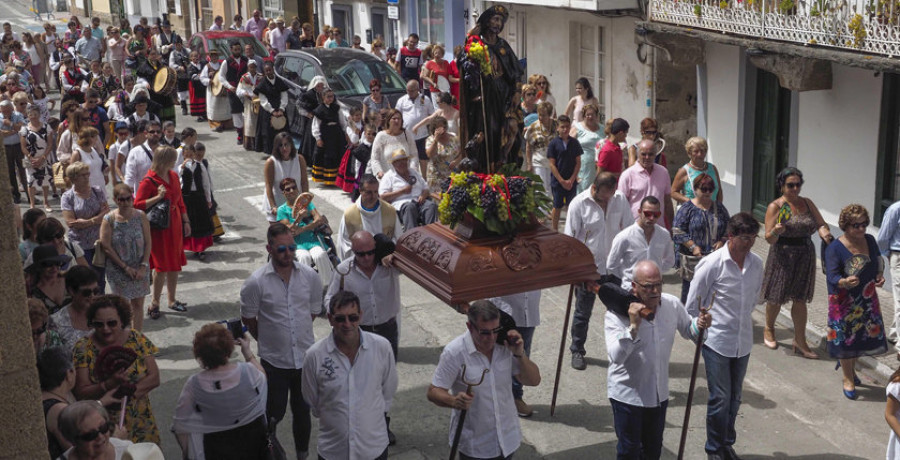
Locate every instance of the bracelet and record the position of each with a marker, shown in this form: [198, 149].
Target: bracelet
[100, 403]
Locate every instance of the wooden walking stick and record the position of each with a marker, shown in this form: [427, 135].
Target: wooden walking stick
[462, 412]
[562, 349]
[690, 395]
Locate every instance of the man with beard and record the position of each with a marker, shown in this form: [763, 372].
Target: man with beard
[273, 98]
[486, 97]
[235, 66]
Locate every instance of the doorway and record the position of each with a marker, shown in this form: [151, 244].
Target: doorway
[771, 139]
[381, 26]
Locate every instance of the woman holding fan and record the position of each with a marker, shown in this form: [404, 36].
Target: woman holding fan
[790, 268]
[853, 269]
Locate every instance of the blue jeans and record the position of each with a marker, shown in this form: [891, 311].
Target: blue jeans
[584, 306]
[639, 429]
[725, 378]
[527, 333]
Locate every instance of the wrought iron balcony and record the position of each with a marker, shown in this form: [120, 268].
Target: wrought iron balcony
[869, 26]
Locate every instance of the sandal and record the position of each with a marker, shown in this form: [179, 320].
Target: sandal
[153, 311]
[178, 306]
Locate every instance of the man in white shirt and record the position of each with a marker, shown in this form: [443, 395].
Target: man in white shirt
[733, 275]
[594, 217]
[217, 23]
[368, 213]
[525, 309]
[349, 384]
[120, 148]
[415, 107]
[256, 25]
[141, 157]
[643, 240]
[278, 304]
[278, 35]
[406, 190]
[491, 426]
[639, 348]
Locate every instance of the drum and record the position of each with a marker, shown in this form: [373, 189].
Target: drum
[279, 122]
[443, 84]
[164, 81]
[255, 106]
[109, 102]
[215, 85]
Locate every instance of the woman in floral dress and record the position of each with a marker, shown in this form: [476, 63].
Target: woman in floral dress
[442, 148]
[855, 327]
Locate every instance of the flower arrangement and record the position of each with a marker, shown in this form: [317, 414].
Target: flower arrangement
[501, 201]
[478, 52]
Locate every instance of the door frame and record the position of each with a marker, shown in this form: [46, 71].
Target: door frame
[786, 110]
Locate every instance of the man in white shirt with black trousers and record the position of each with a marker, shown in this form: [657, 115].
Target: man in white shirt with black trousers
[734, 275]
[639, 347]
[349, 384]
[278, 304]
[644, 240]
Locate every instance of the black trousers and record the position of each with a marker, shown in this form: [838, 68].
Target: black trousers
[14, 165]
[388, 330]
[284, 383]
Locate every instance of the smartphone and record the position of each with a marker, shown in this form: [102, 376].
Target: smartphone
[236, 327]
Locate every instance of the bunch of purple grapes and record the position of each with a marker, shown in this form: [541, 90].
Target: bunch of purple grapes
[489, 199]
[459, 201]
[518, 186]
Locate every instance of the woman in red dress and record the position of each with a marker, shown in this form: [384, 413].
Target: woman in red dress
[167, 249]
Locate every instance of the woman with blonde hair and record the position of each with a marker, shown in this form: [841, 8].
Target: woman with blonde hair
[543, 86]
[83, 207]
[588, 133]
[436, 73]
[87, 153]
[125, 235]
[167, 247]
[682, 191]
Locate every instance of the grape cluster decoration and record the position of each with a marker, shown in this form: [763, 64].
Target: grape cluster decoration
[500, 201]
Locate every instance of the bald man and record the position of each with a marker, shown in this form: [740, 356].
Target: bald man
[639, 347]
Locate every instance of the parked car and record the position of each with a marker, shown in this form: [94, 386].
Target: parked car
[202, 42]
[348, 72]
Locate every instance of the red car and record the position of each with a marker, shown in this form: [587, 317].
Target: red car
[202, 42]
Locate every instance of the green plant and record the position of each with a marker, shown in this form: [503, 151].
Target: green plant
[787, 7]
[858, 29]
[698, 11]
[723, 4]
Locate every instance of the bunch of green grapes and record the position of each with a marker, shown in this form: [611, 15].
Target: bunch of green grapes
[474, 191]
[446, 216]
[503, 208]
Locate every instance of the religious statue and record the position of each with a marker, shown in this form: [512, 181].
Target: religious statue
[490, 73]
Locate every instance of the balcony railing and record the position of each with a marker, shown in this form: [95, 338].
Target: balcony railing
[870, 26]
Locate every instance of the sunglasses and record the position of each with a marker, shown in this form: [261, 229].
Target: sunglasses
[649, 214]
[364, 253]
[793, 185]
[289, 189]
[860, 225]
[154, 132]
[40, 330]
[493, 331]
[650, 286]
[124, 199]
[651, 133]
[110, 324]
[345, 318]
[707, 189]
[282, 249]
[93, 434]
[87, 292]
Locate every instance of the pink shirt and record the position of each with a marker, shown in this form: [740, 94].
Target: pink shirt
[636, 183]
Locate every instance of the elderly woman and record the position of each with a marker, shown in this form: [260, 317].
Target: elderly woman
[110, 316]
[42, 337]
[375, 101]
[284, 163]
[855, 327]
[220, 413]
[309, 248]
[537, 138]
[309, 101]
[47, 284]
[86, 425]
[392, 138]
[83, 207]
[71, 321]
[87, 153]
[588, 132]
[791, 265]
[125, 235]
[444, 155]
[649, 131]
[696, 148]
[167, 247]
[698, 229]
[329, 129]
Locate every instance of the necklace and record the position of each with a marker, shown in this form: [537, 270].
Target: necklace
[61, 398]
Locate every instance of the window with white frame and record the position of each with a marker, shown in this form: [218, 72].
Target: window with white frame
[589, 60]
[431, 21]
[206, 13]
[272, 8]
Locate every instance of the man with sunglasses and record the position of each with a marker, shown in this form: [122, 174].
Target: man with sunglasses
[646, 178]
[646, 239]
[350, 384]
[141, 157]
[278, 304]
[492, 427]
[730, 278]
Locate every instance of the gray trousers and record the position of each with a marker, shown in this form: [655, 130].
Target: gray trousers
[413, 214]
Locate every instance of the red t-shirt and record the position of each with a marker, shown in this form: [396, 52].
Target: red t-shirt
[443, 69]
[410, 61]
[610, 157]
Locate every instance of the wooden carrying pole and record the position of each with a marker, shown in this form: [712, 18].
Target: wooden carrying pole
[562, 349]
[690, 395]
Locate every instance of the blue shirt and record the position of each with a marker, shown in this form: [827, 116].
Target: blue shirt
[565, 154]
[889, 233]
[12, 139]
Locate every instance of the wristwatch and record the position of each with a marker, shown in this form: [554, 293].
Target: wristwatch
[633, 331]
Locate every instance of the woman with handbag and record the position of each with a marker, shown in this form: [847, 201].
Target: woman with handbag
[159, 195]
[221, 410]
[698, 229]
[83, 207]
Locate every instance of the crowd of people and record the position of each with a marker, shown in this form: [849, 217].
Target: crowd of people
[136, 195]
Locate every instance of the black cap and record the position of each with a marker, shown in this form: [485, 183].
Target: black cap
[46, 255]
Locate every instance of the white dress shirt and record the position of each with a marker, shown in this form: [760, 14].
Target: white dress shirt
[587, 222]
[379, 296]
[737, 291]
[137, 165]
[283, 312]
[638, 372]
[391, 181]
[350, 399]
[630, 247]
[413, 112]
[371, 222]
[525, 307]
[491, 428]
[278, 39]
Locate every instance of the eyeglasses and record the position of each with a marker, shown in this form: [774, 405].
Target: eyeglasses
[123, 199]
[650, 286]
[93, 434]
[707, 189]
[793, 185]
[282, 249]
[88, 292]
[493, 331]
[156, 131]
[39, 331]
[651, 133]
[542, 83]
[375, 89]
[747, 238]
[345, 318]
[860, 225]
[110, 324]
[289, 189]
[651, 214]
[364, 253]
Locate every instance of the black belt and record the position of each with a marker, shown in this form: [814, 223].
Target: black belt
[389, 322]
[796, 241]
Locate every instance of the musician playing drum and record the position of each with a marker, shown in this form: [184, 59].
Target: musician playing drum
[148, 71]
[234, 67]
[273, 99]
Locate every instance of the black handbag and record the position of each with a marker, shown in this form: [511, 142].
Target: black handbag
[274, 451]
[158, 214]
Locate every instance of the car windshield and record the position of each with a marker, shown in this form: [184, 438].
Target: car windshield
[351, 78]
[221, 44]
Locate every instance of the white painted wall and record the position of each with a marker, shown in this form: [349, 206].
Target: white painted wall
[838, 141]
[723, 95]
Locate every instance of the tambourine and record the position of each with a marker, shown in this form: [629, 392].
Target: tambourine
[278, 122]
